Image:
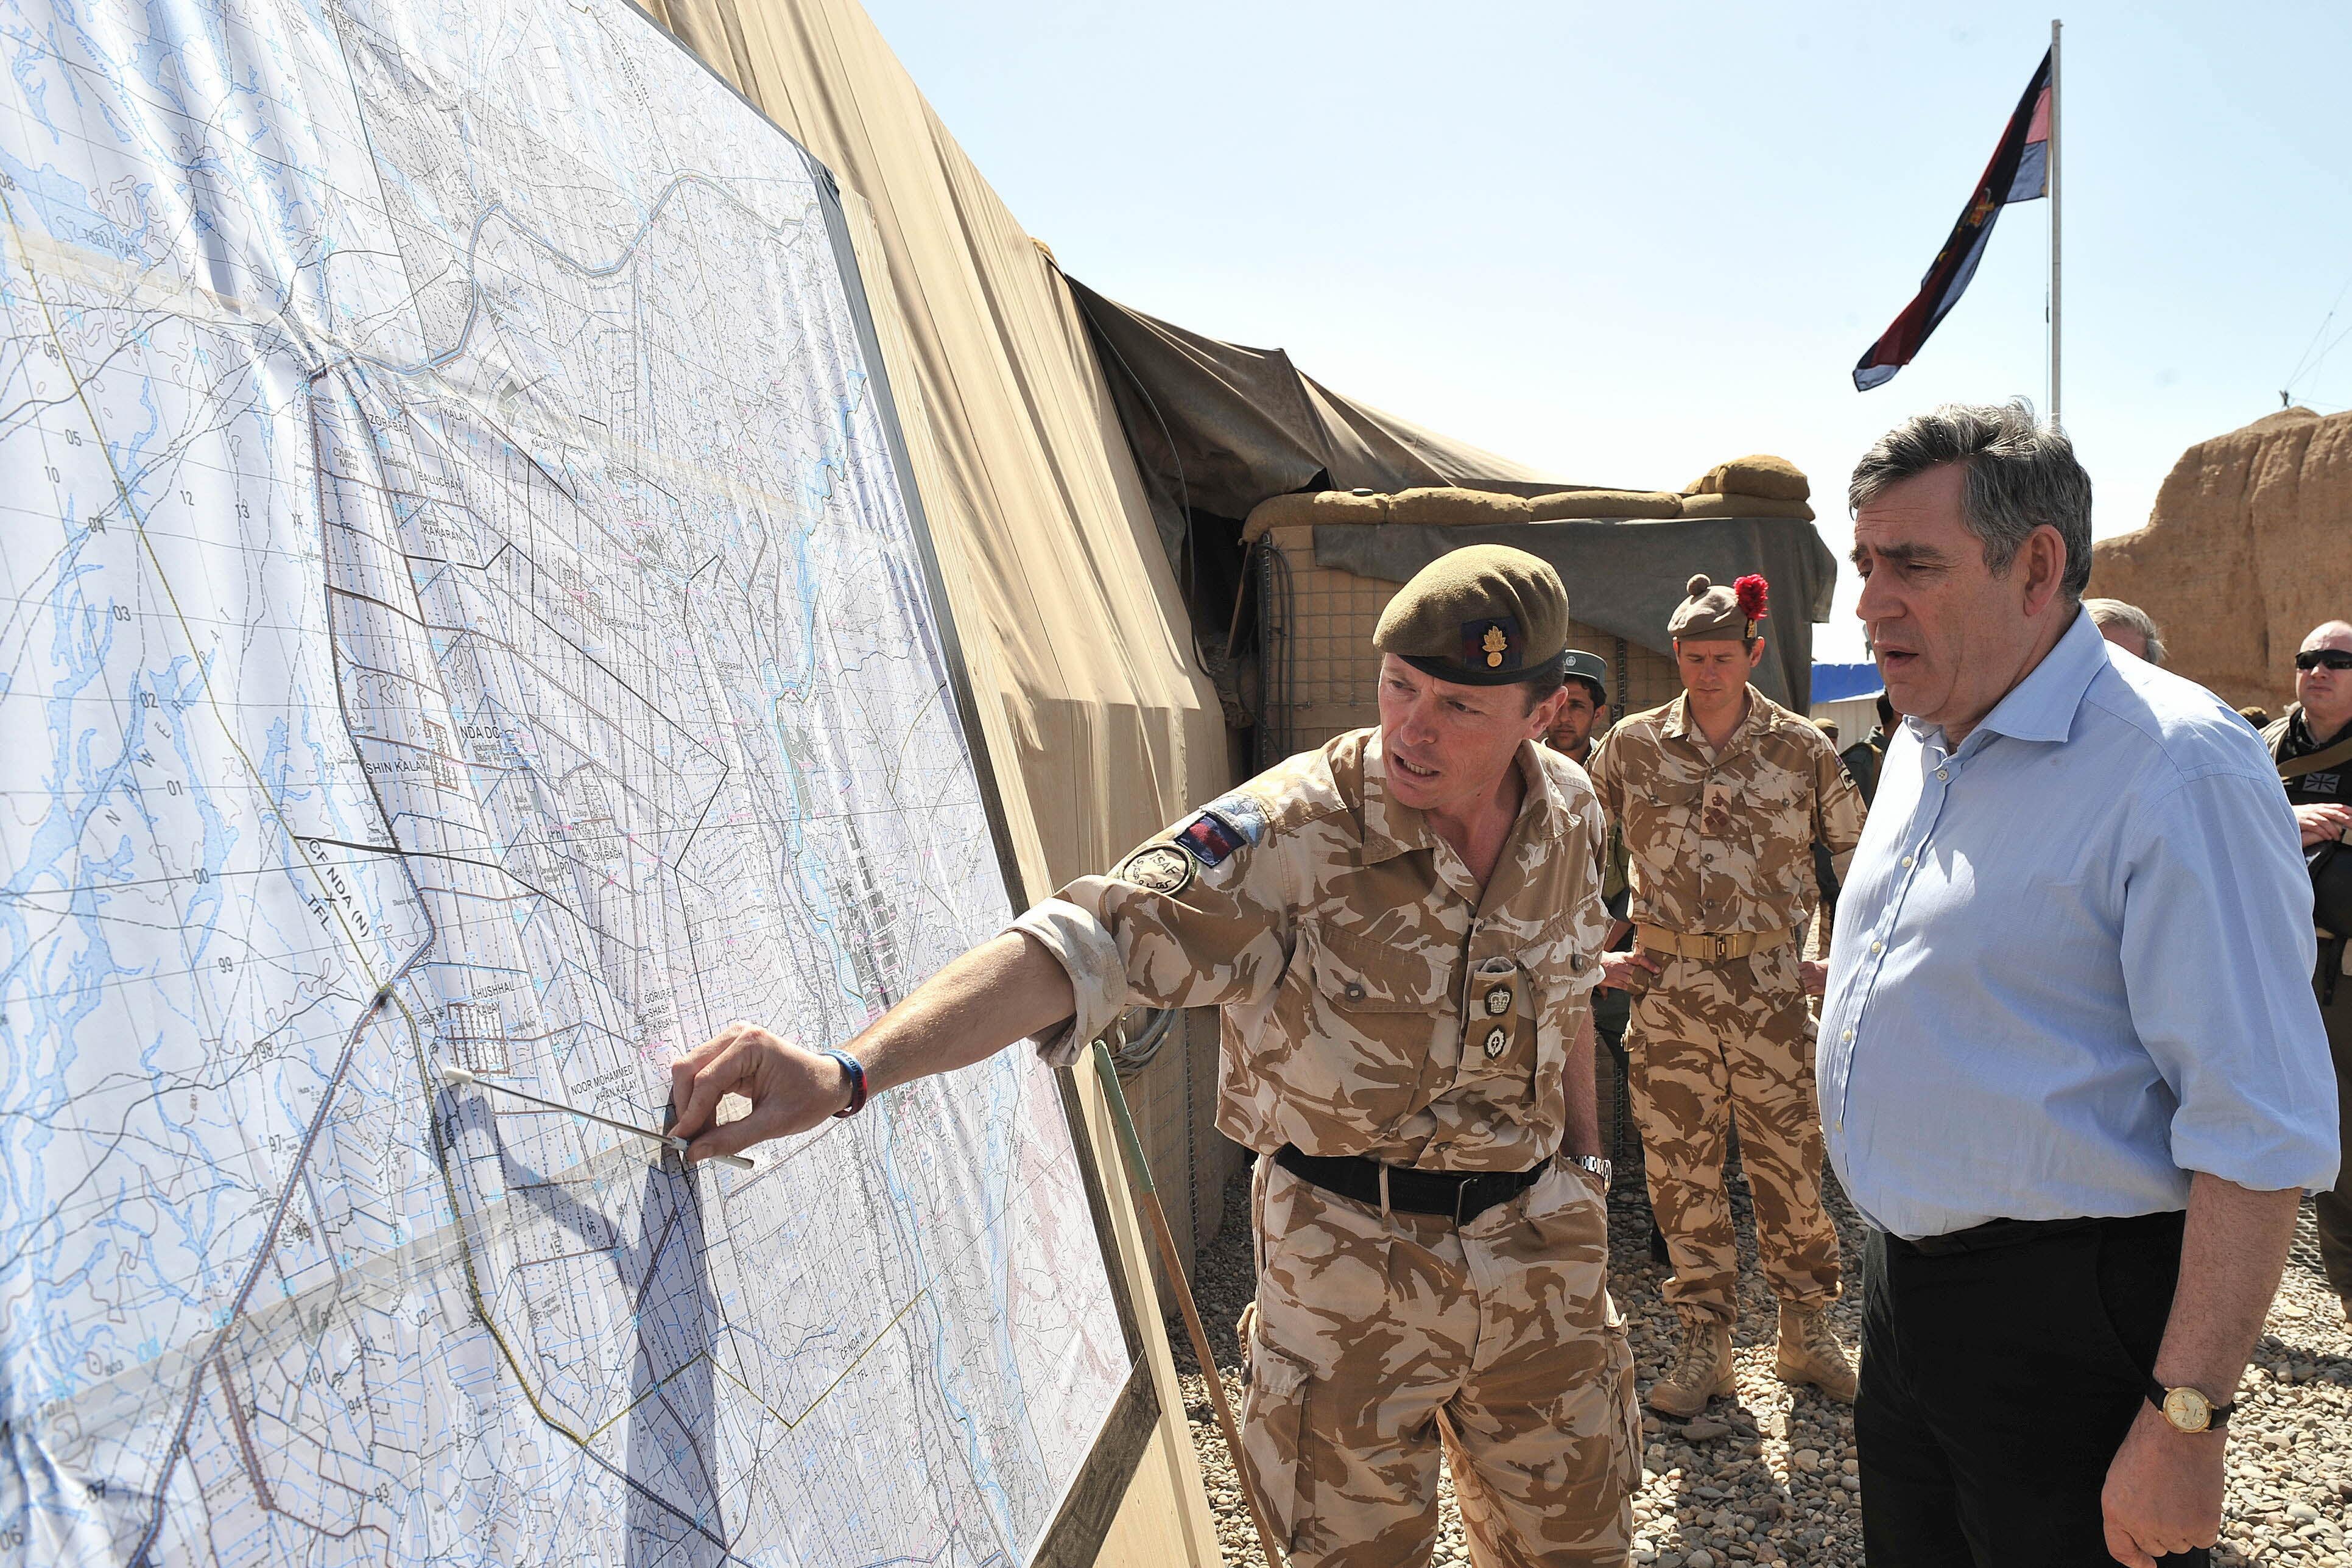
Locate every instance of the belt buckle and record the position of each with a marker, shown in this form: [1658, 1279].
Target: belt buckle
[1722, 949]
[1459, 1188]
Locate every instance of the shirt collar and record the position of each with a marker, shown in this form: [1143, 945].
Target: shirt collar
[1678, 725]
[1392, 829]
[2301, 734]
[2042, 707]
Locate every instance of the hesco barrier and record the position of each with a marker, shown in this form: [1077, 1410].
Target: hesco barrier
[1315, 637]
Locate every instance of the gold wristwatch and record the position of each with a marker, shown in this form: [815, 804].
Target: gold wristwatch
[2188, 1409]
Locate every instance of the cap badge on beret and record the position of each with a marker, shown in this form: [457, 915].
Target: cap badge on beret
[1491, 645]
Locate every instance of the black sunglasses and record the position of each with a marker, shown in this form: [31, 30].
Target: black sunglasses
[2313, 658]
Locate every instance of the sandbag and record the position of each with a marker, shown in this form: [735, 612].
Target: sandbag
[1565, 506]
[1449, 507]
[1758, 473]
[1739, 506]
[1313, 506]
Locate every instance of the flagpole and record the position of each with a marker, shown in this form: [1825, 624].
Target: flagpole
[2054, 195]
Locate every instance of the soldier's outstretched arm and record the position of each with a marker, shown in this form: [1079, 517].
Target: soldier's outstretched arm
[1007, 989]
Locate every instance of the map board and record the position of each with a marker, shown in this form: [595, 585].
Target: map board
[461, 604]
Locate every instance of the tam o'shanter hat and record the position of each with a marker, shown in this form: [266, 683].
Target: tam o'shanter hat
[1485, 615]
[1711, 613]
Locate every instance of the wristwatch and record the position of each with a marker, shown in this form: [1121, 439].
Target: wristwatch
[2188, 1409]
[1599, 1169]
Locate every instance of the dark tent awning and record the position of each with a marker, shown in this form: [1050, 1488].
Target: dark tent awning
[1217, 428]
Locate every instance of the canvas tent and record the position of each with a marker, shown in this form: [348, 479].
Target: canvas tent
[1225, 434]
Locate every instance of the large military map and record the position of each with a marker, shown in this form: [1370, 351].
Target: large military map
[459, 605]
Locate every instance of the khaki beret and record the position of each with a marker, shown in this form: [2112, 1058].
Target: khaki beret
[1709, 612]
[1485, 615]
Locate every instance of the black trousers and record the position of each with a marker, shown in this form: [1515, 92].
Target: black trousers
[2334, 1208]
[1996, 1387]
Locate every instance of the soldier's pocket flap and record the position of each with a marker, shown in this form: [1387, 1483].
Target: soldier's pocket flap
[1358, 975]
[1274, 1372]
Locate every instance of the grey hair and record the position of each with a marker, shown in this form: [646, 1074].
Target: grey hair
[2022, 475]
[2115, 612]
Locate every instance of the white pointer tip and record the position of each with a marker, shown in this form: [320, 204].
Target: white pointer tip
[451, 1073]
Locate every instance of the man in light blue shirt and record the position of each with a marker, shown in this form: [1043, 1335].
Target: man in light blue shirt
[2071, 1069]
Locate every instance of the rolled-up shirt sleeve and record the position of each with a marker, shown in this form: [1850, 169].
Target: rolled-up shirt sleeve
[2217, 949]
[1223, 936]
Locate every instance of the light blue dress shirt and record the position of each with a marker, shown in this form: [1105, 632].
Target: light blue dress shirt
[2073, 962]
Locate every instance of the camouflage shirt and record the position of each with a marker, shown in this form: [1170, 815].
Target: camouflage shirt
[1375, 1001]
[1721, 842]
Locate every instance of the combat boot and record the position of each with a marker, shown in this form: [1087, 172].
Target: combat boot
[1810, 1353]
[1700, 1371]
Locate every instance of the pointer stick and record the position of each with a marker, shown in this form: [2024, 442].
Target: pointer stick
[458, 1076]
[1139, 1171]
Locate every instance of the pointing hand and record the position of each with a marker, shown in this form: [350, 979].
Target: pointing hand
[790, 1088]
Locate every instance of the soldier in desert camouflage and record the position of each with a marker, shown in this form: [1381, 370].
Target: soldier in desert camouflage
[1403, 930]
[1721, 795]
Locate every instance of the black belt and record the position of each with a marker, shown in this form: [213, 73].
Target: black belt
[1998, 1233]
[1460, 1196]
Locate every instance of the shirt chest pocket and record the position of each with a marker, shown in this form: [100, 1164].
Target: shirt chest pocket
[1363, 1019]
[1663, 822]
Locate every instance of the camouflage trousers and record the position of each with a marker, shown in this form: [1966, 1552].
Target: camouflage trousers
[1374, 1342]
[1711, 1042]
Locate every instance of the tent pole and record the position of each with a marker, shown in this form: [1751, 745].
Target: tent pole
[2055, 188]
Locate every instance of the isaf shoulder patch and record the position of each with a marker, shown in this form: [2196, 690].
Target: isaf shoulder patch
[1158, 868]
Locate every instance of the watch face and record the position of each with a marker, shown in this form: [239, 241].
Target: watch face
[2187, 1409]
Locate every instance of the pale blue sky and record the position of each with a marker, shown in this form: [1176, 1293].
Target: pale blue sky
[1627, 241]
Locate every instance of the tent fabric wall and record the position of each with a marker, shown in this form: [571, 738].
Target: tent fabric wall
[1099, 727]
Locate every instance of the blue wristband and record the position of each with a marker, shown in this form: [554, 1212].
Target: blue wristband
[857, 1070]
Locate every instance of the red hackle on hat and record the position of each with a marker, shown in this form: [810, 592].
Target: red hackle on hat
[1749, 592]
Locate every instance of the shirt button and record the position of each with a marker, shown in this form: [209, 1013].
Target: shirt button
[1355, 992]
[1943, 773]
[1849, 1037]
[1878, 946]
[1907, 862]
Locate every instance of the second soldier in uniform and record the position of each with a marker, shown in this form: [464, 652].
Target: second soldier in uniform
[1721, 795]
[1403, 929]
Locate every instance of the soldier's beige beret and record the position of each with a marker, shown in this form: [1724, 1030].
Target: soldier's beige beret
[1709, 612]
[1485, 615]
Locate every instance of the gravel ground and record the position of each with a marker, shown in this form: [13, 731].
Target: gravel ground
[1769, 1477]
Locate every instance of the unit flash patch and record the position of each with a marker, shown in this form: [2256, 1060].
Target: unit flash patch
[1210, 839]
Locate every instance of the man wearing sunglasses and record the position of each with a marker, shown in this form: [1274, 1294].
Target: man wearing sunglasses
[2312, 747]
